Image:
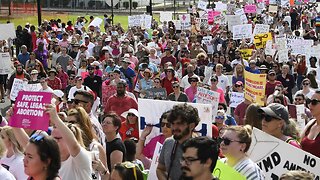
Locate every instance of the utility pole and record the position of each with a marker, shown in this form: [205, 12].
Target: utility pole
[174, 9]
[112, 11]
[39, 12]
[150, 7]
[130, 6]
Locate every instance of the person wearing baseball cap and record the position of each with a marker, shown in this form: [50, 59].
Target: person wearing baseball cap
[271, 83]
[275, 120]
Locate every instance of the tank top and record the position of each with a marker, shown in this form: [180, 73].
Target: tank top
[311, 146]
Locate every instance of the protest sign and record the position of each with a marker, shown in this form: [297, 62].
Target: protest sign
[150, 111]
[202, 5]
[220, 6]
[225, 172]
[246, 53]
[285, 3]
[33, 87]
[220, 19]
[140, 20]
[29, 109]
[269, 50]
[207, 74]
[96, 22]
[107, 91]
[155, 161]
[17, 86]
[206, 96]
[7, 31]
[211, 15]
[177, 23]
[273, 8]
[235, 99]
[250, 8]
[261, 29]
[231, 8]
[207, 41]
[281, 43]
[283, 56]
[233, 20]
[255, 86]
[156, 93]
[5, 62]
[242, 15]
[165, 16]
[260, 40]
[185, 21]
[242, 31]
[276, 157]
[301, 122]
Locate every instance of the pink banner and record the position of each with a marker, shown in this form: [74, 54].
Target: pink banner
[29, 109]
[211, 15]
[259, 1]
[250, 8]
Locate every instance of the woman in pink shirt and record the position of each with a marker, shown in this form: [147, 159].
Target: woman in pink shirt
[192, 90]
[214, 82]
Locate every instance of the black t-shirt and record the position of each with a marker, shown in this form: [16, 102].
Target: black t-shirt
[94, 83]
[114, 145]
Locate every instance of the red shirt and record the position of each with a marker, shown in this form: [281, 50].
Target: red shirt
[120, 104]
[55, 83]
[270, 87]
[309, 145]
[166, 59]
[241, 112]
[167, 84]
[128, 131]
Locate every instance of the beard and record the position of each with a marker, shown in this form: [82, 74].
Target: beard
[19, 72]
[182, 134]
[184, 174]
[120, 93]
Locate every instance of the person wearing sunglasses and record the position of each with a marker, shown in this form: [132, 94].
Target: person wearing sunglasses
[306, 90]
[126, 171]
[235, 142]
[185, 83]
[78, 86]
[220, 119]
[275, 119]
[177, 94]
[271, 83]
[311, 134]
[192, 90]
[199, 158]
[214, 82]
[145, 153]
[129, 127]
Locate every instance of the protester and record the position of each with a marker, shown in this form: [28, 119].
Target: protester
[126, 171]
[4, 173]
[177, 94]
[130, 127]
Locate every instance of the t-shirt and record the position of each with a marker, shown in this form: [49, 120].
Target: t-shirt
[5, 174]
[148, 150]
[14, 165]
[115, 145]
[120, 104]
[165, 158]
[249, 169]
[223, 82]
[78, 167]
[241, 112]
[63, 61]
[128, 131]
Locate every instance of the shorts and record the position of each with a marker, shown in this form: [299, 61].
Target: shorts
[3, 78]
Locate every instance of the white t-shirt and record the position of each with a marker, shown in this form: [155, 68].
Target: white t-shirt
[238, 61]
[74, 89]
[308, 95]
[5, 174]
[223, 82]
[79, 167]
[15, 166]
[185, 83]
[49, 89]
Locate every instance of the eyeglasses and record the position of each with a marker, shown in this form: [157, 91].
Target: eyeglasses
[238, 86]
[130, 165]
[298, 99]
[306, 84]
[131, 114]
[77, 101]
[188, 160]
[175, 86]
[168, 125]
[272, 74]
[219, 117]
[314, 102]
[227, 141]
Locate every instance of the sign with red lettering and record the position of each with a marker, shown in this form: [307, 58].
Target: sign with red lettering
[206, 96]
[250, 8]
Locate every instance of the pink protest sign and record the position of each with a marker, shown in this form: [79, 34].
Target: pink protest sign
[212, 14]
[259, 1]
[250, 8]
[29, 110]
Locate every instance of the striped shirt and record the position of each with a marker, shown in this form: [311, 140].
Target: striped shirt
[249, 169]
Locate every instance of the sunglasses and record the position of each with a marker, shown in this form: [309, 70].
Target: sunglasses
[267, 118]
[131, 114]
[175, 86]
[78, 101]
[214, 80]
[219, 117]
[168, 125]
[306, 84]
[227, 141]
[272, 74]
[238, 86]
[314, 102]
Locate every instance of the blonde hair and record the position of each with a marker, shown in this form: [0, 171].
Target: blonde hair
[292, 175]
[243, 133]
[76, 131]
[7, 130]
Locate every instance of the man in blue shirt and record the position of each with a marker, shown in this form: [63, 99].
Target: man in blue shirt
[252, 67]
[24, 56]
[127, 73]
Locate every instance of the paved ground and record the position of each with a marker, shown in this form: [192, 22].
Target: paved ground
[5, 106]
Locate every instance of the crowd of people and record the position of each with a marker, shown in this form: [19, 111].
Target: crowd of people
[95, 133]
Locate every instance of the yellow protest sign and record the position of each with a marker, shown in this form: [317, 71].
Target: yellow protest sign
[246, 53]
[225, 172]
[255, 85]
[260, 40]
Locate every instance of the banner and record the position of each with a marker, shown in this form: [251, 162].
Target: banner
[276, 157]
[243, 31]
[7, 31]
[140, 20]
[235, 99]
[255, 86]
[185, 21]
[17, 86]
[29, 109]
[283, 56]
[246, 53]
[261, 29]
[233, 20]
[250, 8]
[166, 16]
[242, 15]
[151, 110]
[96, 22]
[225, 172]
[156, 93]
[260, 40]
[5, 61]
[202, 5]
[155, 161]
[206, 96]
[107, 91]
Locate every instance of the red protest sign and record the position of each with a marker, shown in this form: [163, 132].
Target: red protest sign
[29, 110]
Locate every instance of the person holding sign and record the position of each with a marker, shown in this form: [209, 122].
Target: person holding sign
[236, 141]
[275, 118]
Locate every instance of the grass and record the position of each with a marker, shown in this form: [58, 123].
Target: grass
[33, 18]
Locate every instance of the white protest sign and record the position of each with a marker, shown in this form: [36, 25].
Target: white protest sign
[242, 31]
[207, 74]
[147, 21]
[17, 85]
[269, 50]
[5, 62]
[276, 157]
[285, 3]
[150, 111]
[301, 123]
[283, 55]
[207, 96]
[233, 20]
[273, 8]
[236, 98]
[231, 8]
[96, 22]
[243, 16]
[155, 161]
[220, 6]
[7, 31]
[207, 41]
[261, 29]
[33, 87]
[281, 43]
[185, 21]
[140, 20]
[177, 24]
[202, 5]
[165, 16]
